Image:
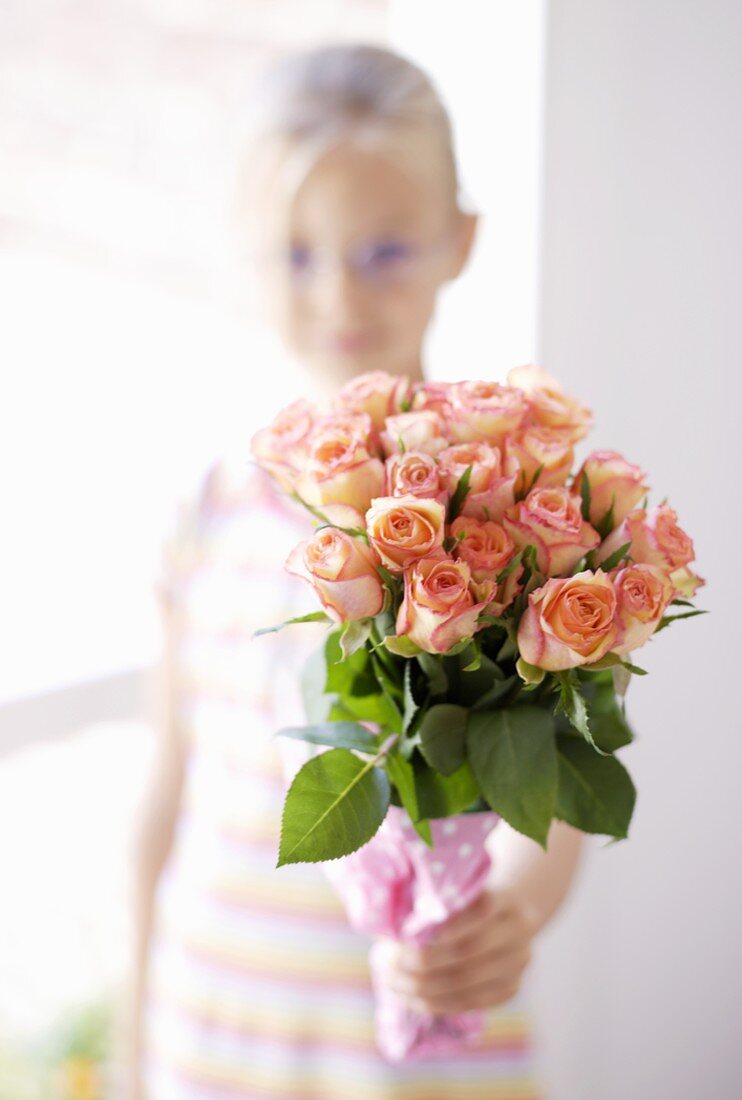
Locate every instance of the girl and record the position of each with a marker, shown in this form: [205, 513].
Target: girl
[249, 983]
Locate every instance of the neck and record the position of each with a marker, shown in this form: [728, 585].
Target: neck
[327, 383]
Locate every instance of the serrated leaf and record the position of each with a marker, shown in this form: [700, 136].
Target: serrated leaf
[442, 796]
[433, 668]
[312, 617]
[510, 567]
[442, 737]
[513, 757]
[585, 496]
[613, 559]
[595, 793]
[459, 496]
[334, 806]
[667, 619]
[402, 775]
[346, 735]
[573, 703]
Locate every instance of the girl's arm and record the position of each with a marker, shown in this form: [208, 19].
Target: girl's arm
[152, 842]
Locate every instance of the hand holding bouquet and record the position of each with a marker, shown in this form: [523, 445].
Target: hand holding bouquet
[484, 606]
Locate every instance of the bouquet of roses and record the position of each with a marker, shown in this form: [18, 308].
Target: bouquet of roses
[484, 605]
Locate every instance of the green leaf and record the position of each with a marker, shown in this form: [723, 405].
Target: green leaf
[442, 737]
[390, 690]
[312, 617]
[345, 735]
[585, 495]
[608, 723]
[572, 702]
[667, 619]
[317, 703]
[510, 567]
[401, 645]
[351, 675]
[441, 795]
[499, 689]
[606, 524]
[509, 648]
[614, 558]
[354, 635]
[457, 500]
[410, 706]
[334, 806]
[677, 602]
[512, 753]
[402, 775]
[595, 793]
[433, 668]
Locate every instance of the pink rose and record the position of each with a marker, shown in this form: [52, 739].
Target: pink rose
[491, 483]
[376, 393]
[643, 592]
[551, 519]
[282, 448]
[414, 474]
[487, 548]
[569, 621]
[438, 609]
[656, 539]
[435, 396]
[418, 431]
[403, 529]
[614, 482]
[485, 412]
[340, 469]
[549, 406]
[535, 447]
[342, 570]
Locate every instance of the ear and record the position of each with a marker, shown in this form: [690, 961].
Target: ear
[465, 232]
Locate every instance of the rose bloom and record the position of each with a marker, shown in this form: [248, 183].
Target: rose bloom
[569, 621]
[438, 609]
[487, 548]
[342, 570]
[340, 469]
[376, 393]
[283, 446]
[535, 446]
[613, 482]
[549, 406]
[643, 592]
[414, 474]
[419, 431]
[485, 412]
[491, 483]
[551, 519]
[403, 529]
[435, 396]
[656, 539]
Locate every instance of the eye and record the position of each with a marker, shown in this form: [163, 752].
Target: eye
[385, 255]
[299, 257]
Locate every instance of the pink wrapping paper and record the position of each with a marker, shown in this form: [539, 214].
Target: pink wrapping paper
[397, 887]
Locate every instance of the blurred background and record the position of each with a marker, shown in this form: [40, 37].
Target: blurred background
[600, 141]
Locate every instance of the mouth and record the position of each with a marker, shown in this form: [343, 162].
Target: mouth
[348, 343]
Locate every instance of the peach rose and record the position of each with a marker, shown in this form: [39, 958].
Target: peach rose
[549, 406]
[342, 570]
[569, 621]
[614, 482]
[485, 411]
[376, 393]
[656, 539]
[339, 468]
[491, 483]
[283, 446]
[535, 447]
[414, 474]
[487, 548]
[435, 396]
[403, 529]
[551, 519]
[418, 431]
[438, 609]
[643, 592]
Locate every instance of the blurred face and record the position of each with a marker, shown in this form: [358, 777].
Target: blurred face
[354, 286]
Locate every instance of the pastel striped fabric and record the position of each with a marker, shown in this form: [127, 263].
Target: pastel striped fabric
[259, 988]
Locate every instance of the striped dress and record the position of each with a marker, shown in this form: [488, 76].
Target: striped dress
[258, 987]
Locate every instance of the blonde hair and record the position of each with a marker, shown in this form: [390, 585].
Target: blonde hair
[364, 95]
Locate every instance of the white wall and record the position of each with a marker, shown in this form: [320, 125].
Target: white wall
[640, 978]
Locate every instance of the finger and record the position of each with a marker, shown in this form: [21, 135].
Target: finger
[453, 981]
[482, 996]
[462, 924]
[498, 933]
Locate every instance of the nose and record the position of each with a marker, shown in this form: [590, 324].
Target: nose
[337, 290]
